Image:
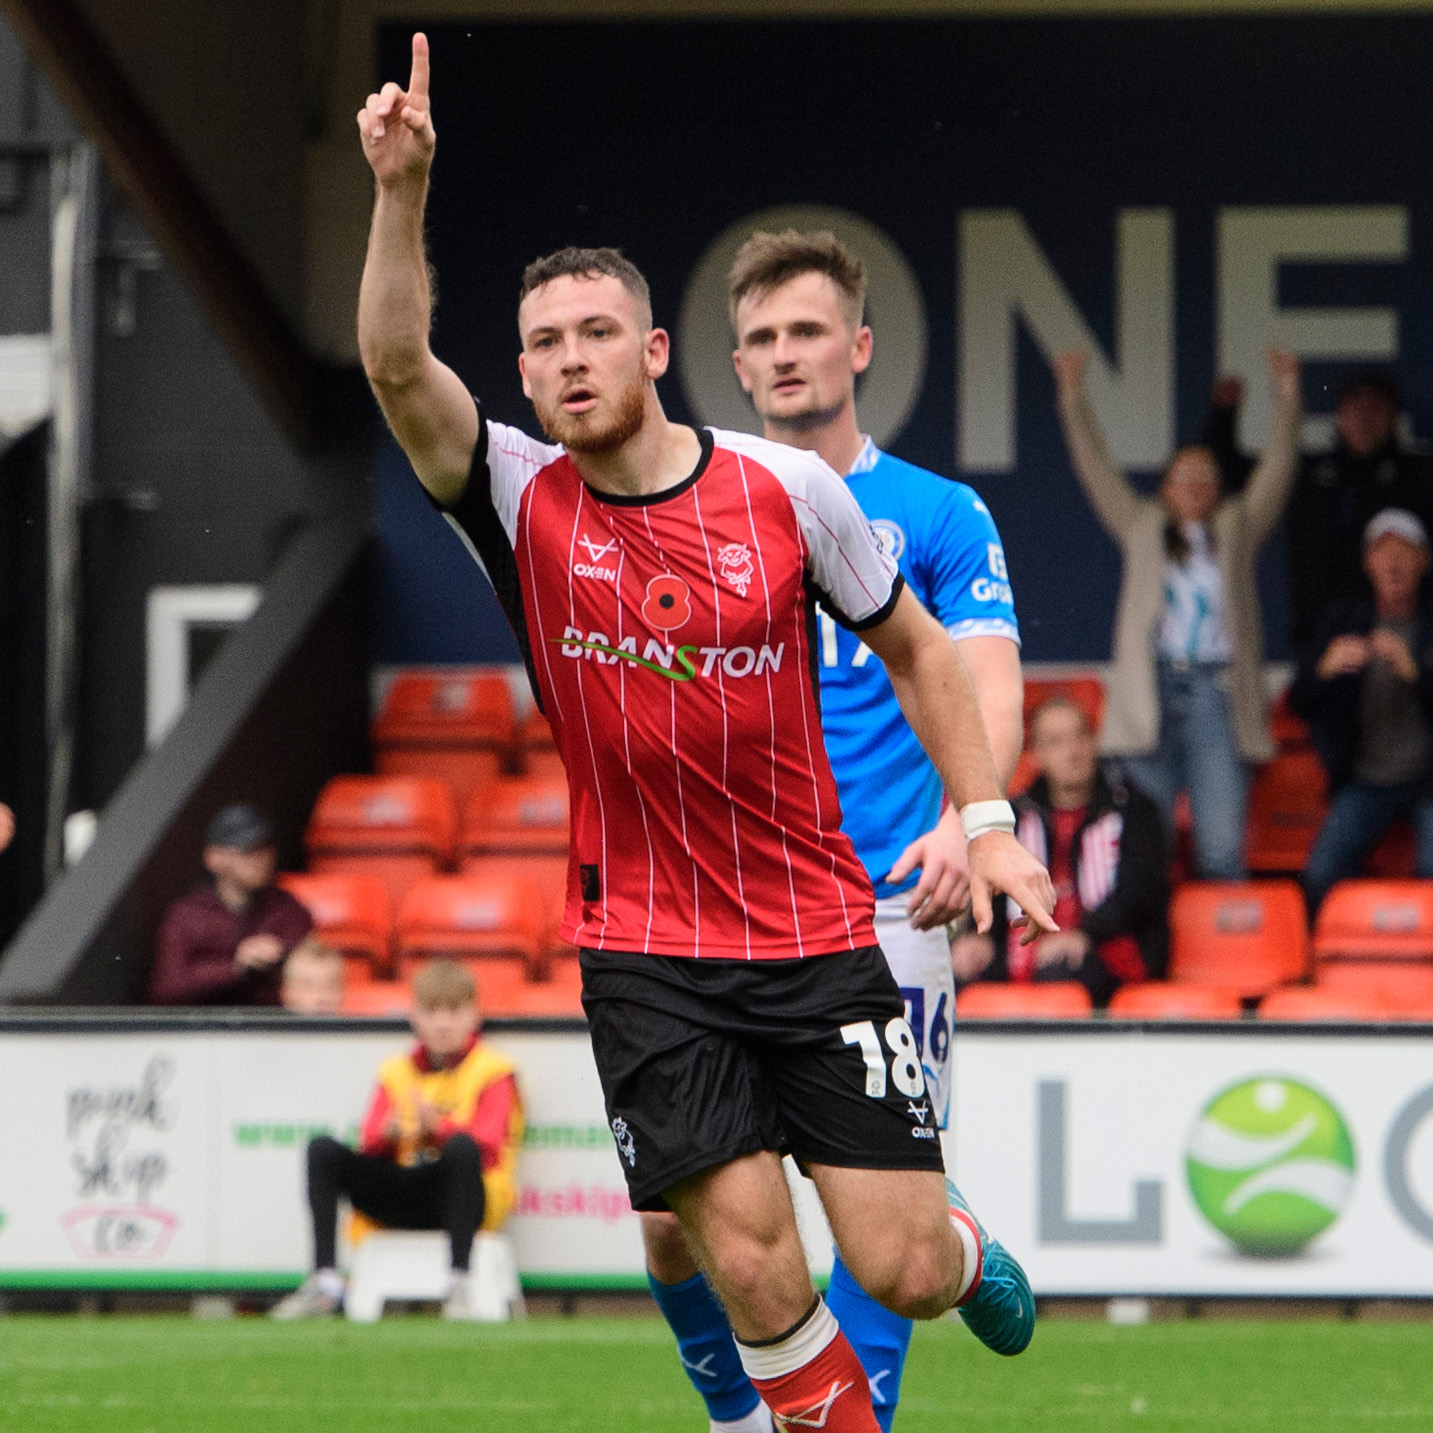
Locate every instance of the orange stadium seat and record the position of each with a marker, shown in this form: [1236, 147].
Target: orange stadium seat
[537, 749]
[526, 814]
[1397, 983]
[474, 918]
[351, 913]
[377, 997]
[455, 726]
[1288, 799]
[1248, 936]
[1171, 1000]
[560, 994]
[398, 828]
[547, 873]
[1318, 1002]
[1376, 920]
[1045, 1000]
[519, 827]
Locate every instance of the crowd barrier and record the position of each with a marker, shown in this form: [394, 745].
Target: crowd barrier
[166, 1152]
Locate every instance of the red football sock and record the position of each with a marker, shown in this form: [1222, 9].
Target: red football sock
[811, 1377]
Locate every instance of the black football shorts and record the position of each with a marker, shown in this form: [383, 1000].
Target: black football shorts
[702, 1061]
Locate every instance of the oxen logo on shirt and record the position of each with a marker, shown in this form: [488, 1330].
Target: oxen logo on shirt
[596, 567]
[736, 566]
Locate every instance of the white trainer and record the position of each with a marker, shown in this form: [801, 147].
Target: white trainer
[311, 1300]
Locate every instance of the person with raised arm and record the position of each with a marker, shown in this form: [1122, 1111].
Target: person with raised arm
[1186, 708]
[738, 1002]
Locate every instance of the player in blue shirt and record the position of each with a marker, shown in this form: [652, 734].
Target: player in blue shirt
[797, 305]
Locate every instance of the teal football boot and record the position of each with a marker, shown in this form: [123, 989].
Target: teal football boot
[999, 1308]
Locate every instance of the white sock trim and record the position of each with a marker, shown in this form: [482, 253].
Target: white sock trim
[971, 1247]
[329, 1283]
[777, 1360]
[757, 1421]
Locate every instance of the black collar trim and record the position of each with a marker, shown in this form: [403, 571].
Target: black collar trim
[642, 500]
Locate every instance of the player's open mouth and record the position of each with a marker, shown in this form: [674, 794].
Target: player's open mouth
[579, 400]
[790, 385]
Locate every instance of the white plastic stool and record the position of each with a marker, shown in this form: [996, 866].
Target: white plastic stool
[495, 1291]
[414, 1265]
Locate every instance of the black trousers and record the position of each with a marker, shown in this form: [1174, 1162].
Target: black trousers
[446, 1193]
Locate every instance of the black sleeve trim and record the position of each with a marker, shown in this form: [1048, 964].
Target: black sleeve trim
[866, 623]
[474, 513]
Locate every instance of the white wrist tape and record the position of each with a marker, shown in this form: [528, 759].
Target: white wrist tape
[981, 817]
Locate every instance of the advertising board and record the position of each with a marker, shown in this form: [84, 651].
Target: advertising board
[1110, 1160]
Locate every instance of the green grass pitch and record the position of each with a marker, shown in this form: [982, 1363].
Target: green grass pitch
[619, 1375]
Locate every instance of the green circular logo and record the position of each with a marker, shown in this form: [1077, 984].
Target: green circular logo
[1270, 1165]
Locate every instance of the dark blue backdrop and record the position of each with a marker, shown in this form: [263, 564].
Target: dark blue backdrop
[656, 136]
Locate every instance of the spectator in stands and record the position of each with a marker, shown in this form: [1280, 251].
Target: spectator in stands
[1368, 468]
[438, 1147]
[225, 942]
[1365, 686]
[1186, 707]
[1103, 842]
[313, 980]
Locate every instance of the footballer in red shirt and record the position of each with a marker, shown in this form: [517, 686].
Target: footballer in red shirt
[663, 584]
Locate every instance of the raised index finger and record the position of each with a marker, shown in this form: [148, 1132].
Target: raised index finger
[418, 80]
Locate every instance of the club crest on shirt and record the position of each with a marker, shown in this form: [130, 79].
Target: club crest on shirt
[890, 537]
[626, 1145]
[736, 566]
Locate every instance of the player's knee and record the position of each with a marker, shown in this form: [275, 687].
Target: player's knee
[746, 1262]
[919, 1284]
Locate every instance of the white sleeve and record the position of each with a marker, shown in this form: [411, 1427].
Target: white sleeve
[512, 460]
[856, 581]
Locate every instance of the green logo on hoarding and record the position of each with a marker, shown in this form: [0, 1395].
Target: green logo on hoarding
[1270, 1165]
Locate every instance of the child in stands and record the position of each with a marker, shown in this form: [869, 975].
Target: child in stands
[438, 1147]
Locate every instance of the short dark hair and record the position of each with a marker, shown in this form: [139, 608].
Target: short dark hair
[575, 263]
[240, 827]
[1378, 381]
[766, 261]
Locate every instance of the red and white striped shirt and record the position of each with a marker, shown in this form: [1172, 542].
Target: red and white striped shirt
[670, 641]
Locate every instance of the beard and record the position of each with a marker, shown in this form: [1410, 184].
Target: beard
[590, 433]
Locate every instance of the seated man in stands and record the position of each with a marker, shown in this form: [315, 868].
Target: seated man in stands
[438, 1147]
[226, 941]
[313, 980]
[1365, 687]
[1104, 844]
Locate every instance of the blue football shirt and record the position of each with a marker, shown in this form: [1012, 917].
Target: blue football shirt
[946, 544]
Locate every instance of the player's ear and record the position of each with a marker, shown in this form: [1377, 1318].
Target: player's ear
[743, 377]
[659, 352]
[862, 349]
[522, 368]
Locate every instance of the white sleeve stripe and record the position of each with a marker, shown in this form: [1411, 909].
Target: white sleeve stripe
[983, 627]
[516, 453]
[855, 571]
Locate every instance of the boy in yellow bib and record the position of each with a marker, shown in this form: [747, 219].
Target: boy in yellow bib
[438, 1147]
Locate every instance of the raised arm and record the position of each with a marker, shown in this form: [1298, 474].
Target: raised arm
[424, 401]
[1273, 478]
[1114, 501]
